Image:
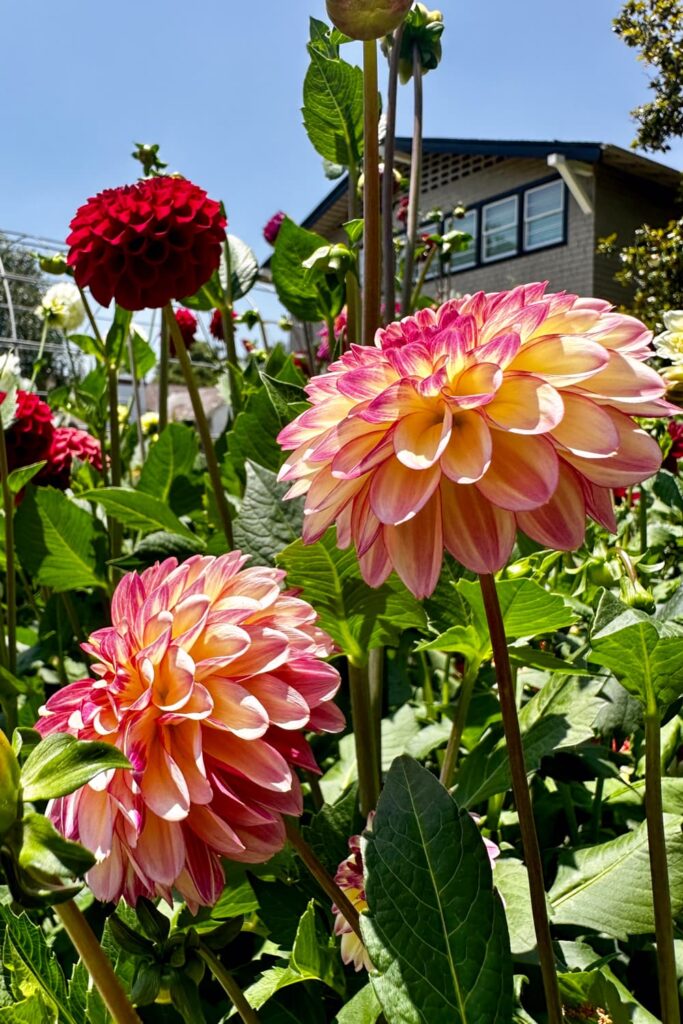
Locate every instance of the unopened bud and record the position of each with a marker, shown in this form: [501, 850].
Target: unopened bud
[367, 19]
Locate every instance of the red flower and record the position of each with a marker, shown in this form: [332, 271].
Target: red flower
[67, 443]
[187, 322]
[676, 434]
[147, 243]
[29, 438]
[216, 325]
[402, 210]
[272, 228]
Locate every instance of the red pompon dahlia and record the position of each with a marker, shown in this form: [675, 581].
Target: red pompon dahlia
[147, 243]
[67, 444]
[272, 228]
[187, 322]
[498, 412]
[675, 453]
[216, 325]
[207, 680]
[29, 438]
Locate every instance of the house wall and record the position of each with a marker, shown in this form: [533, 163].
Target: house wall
[624, 203]
[566, 267]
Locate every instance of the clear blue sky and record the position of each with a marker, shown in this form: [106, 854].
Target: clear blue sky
[218, 84]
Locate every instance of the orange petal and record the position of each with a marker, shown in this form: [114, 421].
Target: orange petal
[561, 360]
[561, 522]
[468, 454]
[416, 549]
[523, 472]
[586, 429]
[419, 439]
[526, 405]
[398, 493]
[480, 535]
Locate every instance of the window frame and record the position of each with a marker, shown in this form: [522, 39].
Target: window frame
[514, 224]
[526, 219]
[453, 225]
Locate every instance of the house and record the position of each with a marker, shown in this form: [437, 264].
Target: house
[535, 210]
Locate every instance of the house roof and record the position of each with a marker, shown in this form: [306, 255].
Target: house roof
[584, 152]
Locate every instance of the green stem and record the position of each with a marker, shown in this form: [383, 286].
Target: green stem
[41, 349]
[376, 688]
[229, 985]
[164, 357]
[364, 736]
[596, 812]
[136, 395]
[427, 687]
[202, 425]
[642, 519]
[421, 279]
[389, 254]
[96, 963]
[264, 334]
[352, 198]
[72, 616]
[353, 327]
[520, 789]
[116, 533]
[371, 195]
[659, 869]
[322, 877]
[11, 581]
[415, 184]
[229, 332]
[450, 761]
[445, 685]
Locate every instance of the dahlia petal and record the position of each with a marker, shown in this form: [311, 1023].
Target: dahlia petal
[638, 457]
[477, 385]
[160, 851]
[501, 350]
[163, 785]
[174, 680]
[375, 564]
[626, 379]
[284, 705]
[600, 504]
[364, 523]
[525, 404]
[105, 879]
[213, 831]
[366, 382]
[477, 533]
[561, 360]
[96, 822]
[189, 617]
[396, 401]
[586, 429]
[356, 456]
[189, 756]
[253, 759]
[468, 454]
[419, 568]
[523, 472]
[398, 493]
[420, 438]
[561, 522]
[237, 710]
[411, 360]
[327, 718]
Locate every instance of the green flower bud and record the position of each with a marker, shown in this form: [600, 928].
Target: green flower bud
[367, 19]
[54, 264]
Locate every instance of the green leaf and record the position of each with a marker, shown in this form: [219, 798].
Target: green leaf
[608, 887]
[333, 108]
[330, 829]
[117, 335]
[47, 856]
[364, 1008]
[580, 989]
[243, 269]
[9, 785]
[61, 764]
[138, 510]
[57, 541]
[172, 456]
[155, 547]
[288, 399]
[35, 968]
[18, 478]
[143, 354]
[644, 656]
[357, 617]
[435, 928]
[266, 524]
[512, 882]
[253, 434]
[293, 246]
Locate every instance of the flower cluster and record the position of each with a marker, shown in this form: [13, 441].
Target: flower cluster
[147, 243]
[62, 307]
[68, 444]
[207, 679]
[498, 412]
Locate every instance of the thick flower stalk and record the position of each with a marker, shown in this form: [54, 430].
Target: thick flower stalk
[207, 679]
[497, 412]
[187, 324]
[147, 243]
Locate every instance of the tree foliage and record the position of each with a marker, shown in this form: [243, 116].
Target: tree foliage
[651, 268]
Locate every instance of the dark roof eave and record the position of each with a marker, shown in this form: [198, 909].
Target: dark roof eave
[588, 152]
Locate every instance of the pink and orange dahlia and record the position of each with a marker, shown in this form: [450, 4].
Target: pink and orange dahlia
[497, 412]
[207, 680]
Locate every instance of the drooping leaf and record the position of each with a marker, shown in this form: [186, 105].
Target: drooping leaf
[60, 764]
[138, 510]
[435, 928]
[356, 616]
[115, 341]
[57, 541]
[47, 856]
[512, 882]
[243, 268]
[266, 524]
[608, 887]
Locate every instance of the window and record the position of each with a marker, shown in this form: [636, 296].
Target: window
[544, 215]
[499, 229]
[463, 258]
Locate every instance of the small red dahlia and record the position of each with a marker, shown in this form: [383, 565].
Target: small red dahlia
[147, 243]
[29, 438]
[187, 322]
[272, 228]
[216, 325]
[69, 443]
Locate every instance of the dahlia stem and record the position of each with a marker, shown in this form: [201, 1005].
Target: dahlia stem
[202, 424]
[164, 356]
[229, 332]
[41, 349]
[415, 183]
[352, 197]
[229, 985]
[376, 688]
[520, 789]
[264, 334]
[353, 305]
[659, 868]
[450, 761]
[371, 195]
[10, 702]
[642, 519]
[96, 963]
[389, 254]
[421, 279]
[116, 532]
[364, 737]
[323, 878]
[136, 395]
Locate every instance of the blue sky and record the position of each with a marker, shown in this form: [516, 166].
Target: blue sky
[218, 84]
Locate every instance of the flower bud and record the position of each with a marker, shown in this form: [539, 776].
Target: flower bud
[367, 19]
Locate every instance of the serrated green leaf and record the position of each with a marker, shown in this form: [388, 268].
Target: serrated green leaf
[293, 246]
[266, 524]
[364, 1008]
[333, 107]
[435, 928]
[36, 971]
[57, 541]
[172, 456]
[644, 656]
[18, 478]
[609, 888]
[138, 510]
[358, 617]
[61, 764]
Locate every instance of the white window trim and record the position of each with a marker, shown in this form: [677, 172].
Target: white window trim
[475, 239]
[528, 246]
[513, 224]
